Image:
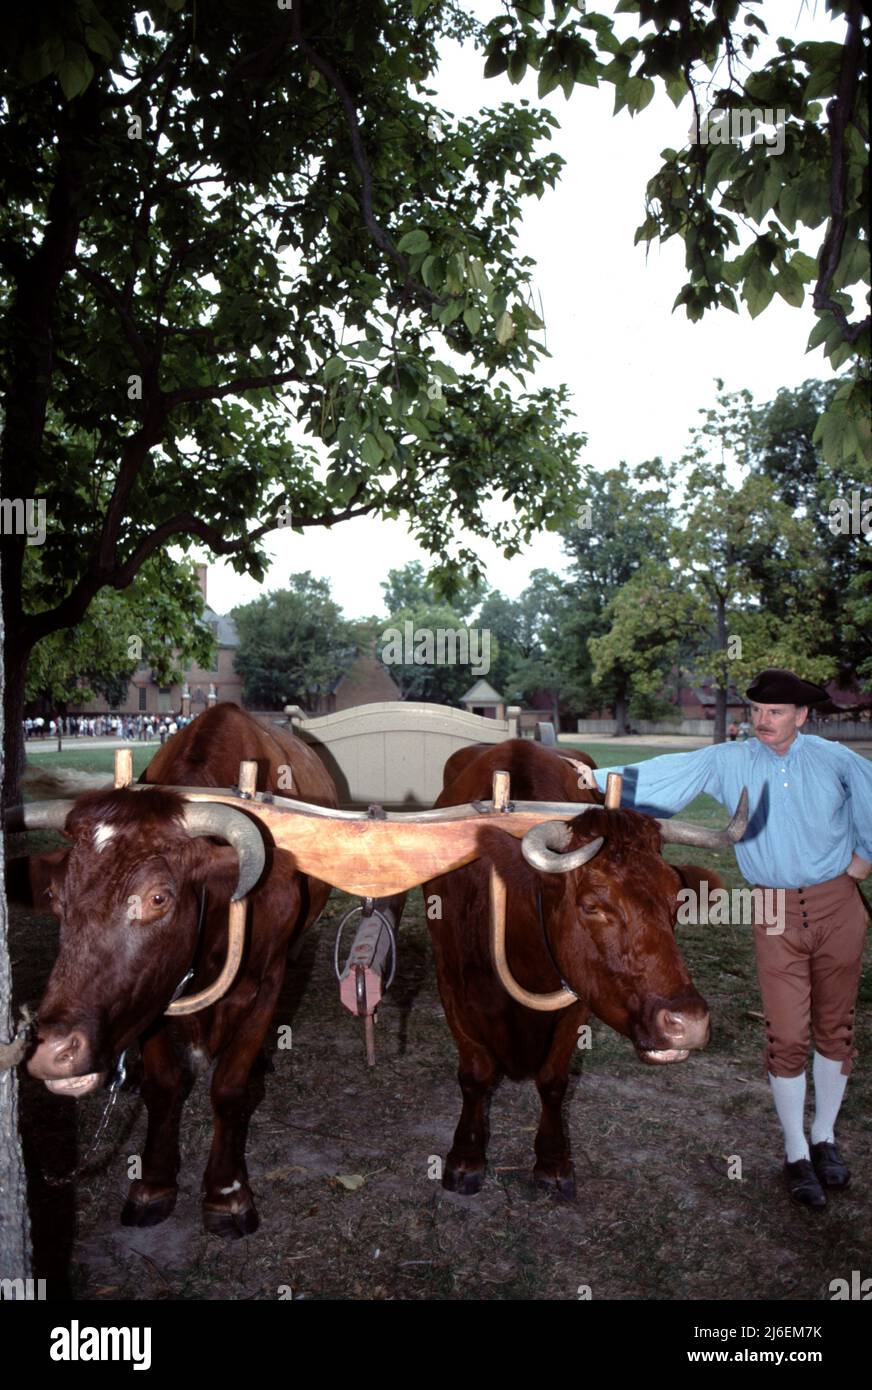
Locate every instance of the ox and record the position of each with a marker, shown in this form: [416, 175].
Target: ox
[117, 970]
[591, 906]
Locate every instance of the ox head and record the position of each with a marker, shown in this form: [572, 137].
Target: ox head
[127, 896]
[609, 907]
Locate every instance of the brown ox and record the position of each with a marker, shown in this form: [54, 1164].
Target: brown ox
[603, 927]
[116, 971]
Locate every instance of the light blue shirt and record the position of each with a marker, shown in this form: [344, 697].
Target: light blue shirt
[809, 809]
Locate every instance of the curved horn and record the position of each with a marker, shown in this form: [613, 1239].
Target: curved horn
[679, 832]
[38, 815]
[544, 1003]
[192, 1003]
[539, 845]
[211, 818]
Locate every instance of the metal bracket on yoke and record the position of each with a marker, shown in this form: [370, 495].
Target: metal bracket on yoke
[361, 979]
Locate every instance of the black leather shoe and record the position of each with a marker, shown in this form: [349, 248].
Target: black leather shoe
[828, 1165]
[802, 1184]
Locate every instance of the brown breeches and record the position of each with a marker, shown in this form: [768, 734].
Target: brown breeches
[810, 973]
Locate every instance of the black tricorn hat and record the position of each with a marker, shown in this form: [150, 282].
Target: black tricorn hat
[776, 686]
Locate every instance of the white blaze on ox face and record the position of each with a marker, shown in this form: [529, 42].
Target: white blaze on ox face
[102, 835]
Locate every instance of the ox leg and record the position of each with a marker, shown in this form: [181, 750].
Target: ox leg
[165, 1086]
[237, 1088]
[465, 1165]
[554, 1170]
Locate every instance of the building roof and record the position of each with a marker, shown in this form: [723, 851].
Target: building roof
[481, 693]
[223, 628]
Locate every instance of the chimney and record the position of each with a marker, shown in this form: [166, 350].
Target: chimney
[202, 571]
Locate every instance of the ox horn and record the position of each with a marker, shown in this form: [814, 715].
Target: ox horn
[225, 823]
[37, 815]
[680, 832]
[211, 818]
[546, 847]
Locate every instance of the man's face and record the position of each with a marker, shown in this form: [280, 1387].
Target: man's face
[776, 725]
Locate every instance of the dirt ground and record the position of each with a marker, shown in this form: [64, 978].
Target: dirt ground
[658, 1215]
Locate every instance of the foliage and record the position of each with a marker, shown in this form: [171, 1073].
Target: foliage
[738, 204]
[294, 644]
[156, 621]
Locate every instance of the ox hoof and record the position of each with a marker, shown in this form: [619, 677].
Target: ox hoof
[142, 1209]
[230, 1225]
[561, 1186]
[466, 1181]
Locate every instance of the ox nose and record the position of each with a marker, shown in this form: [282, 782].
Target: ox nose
[684, 1028]
[59, 1056]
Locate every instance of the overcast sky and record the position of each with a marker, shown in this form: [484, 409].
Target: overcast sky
[638, 373]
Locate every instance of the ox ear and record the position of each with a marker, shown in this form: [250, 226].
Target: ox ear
[29, 876]
[213, 866]
[693, 876]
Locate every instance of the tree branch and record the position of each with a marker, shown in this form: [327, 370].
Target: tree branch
[840, 111]
[373, 226]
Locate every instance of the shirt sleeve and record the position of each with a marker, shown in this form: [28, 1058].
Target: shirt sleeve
[661, 786]
[858, 780]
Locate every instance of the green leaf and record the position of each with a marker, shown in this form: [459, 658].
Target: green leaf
[497, 62]
[332, 368]
[676, 89]
[371, 451]
[805, 266]
[758, 288]
[75, 71]
[98, 42]
[638, 92]
[414, 242]
[472, 319]
[722, 164]
[505, 328]
[789, 286]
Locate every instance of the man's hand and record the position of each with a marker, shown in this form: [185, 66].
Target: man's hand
[859, 868]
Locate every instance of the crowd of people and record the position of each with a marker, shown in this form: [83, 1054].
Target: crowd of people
[145, 727]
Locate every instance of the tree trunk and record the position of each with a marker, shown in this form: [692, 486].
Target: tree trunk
[15, 1260]
[721, 689]
[13, 730]
[620, 713]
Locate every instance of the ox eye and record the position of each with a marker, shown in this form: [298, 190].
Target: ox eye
[588, 905]
[158, 899]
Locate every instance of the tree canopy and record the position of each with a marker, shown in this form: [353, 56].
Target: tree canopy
[254, 278]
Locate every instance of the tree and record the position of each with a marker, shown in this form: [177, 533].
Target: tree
[625, 521]
[15, 1255]
[432, 653]
[157, 621]
[221, 237]
[294, 644]
[713, 194]
[410, 587]
[781, 446]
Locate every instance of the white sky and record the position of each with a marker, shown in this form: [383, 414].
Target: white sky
[638, 373]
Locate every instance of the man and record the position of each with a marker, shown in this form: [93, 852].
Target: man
[809, 834]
